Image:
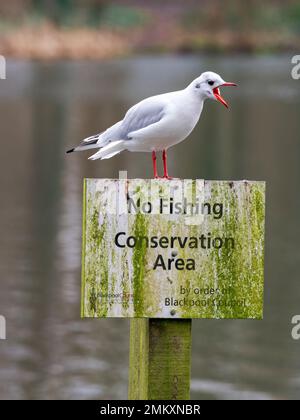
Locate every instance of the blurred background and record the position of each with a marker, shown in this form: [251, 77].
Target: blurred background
[98, 29]
[73, 68]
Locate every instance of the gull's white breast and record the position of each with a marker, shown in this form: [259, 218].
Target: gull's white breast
[181, 114]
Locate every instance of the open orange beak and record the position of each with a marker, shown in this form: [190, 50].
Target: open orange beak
[217, 93]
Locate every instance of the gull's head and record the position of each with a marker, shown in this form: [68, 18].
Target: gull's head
[207, 86]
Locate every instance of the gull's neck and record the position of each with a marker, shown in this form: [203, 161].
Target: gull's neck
[193, 97]
[190, 102]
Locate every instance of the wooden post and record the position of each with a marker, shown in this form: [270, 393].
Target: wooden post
[160, 359]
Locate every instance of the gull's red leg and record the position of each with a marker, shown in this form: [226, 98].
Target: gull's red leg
[164, 156]
[154, 165]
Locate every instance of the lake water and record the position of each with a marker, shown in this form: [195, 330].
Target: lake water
[47, 107]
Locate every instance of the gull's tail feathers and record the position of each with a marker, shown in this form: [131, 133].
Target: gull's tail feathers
[100, 140]
[92, 142]
[109, 150]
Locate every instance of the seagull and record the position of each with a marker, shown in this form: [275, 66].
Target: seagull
[158, 122]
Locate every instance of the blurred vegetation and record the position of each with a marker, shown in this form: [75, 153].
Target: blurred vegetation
[250, 14]
[66, 13]
[132, 25]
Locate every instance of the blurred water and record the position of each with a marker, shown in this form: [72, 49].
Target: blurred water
[46, 108]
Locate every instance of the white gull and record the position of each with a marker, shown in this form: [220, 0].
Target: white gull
[157, 123]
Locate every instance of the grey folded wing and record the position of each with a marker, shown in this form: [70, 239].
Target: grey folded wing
[140, 116]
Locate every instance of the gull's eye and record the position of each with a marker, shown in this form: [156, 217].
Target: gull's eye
[210, 82]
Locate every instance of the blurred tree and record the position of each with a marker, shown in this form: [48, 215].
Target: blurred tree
[65, 11]
[14, 9]
[95, 11]
[56, 10]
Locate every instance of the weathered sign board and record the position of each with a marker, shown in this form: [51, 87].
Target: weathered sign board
[173, 249]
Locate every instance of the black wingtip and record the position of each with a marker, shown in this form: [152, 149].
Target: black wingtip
[70, 151]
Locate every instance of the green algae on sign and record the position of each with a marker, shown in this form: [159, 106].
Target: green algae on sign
[173, 249]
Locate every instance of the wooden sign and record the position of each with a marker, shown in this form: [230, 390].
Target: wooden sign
[173, 249]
